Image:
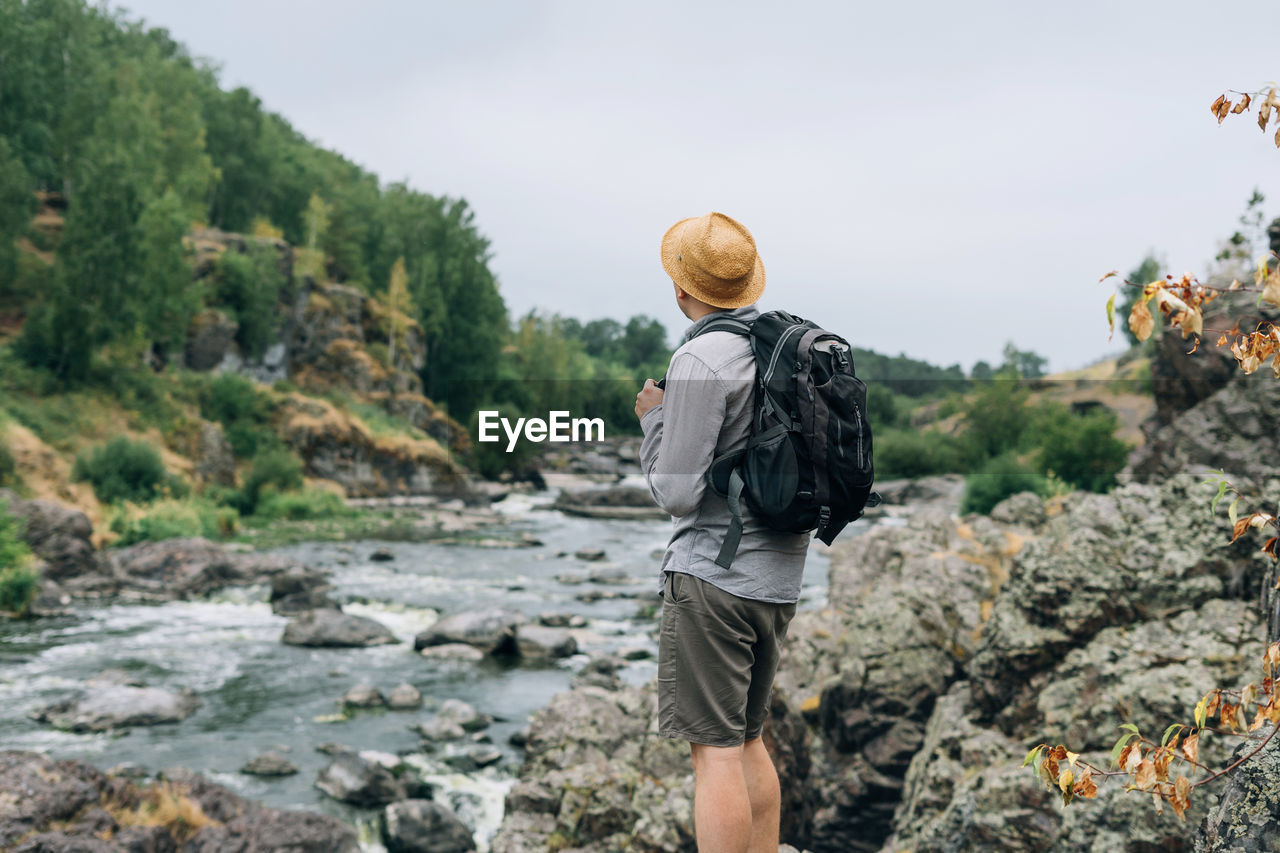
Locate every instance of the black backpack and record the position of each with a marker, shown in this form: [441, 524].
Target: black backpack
[807, 463]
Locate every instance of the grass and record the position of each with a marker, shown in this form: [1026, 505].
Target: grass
[164, 805]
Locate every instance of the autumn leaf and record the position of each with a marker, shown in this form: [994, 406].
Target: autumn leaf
[1108, 275]
[1202, 710]
[1161, 762]
[1224, 109]
[1145, 776]
[1227, 716]
[1192, 323]
[1271, 293]
[1064, 785]
[1216, 108]
[1270, 546]
[1264, 111]
[1214, 702]
[1141, 323]
[1191, 748]
[1111, 316]
[1085, 786]
[1181, 798]
[1242, 106]
[1237, 530]
[1133, 759]
[1118, 753]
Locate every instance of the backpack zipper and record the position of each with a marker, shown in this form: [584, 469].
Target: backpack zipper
[777, 350]
[857, 417]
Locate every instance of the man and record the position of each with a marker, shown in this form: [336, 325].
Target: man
[721, 627]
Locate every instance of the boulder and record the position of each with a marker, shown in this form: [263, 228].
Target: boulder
[354, 779]
[299, 589]
[597, 776]
[404, 697]
[453, 651]
[188, 568]
[269, 764]
[58, 535]
[335, 629]
[464, 714]
[210, 337]
[424, 826]
[537, 642]
[440, 729]
[1246, 817]
[589, 554]
[36, 791]
[492, 631]
[363, 696]
[261, 830]
[627, 502]
[111, 702]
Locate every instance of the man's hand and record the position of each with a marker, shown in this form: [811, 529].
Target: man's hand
[650, 395]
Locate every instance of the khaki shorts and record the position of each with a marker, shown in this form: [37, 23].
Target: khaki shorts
[717, 655]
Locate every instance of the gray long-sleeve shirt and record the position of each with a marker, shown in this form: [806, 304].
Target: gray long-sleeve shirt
[706, 410]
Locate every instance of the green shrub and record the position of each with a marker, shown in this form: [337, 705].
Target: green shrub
[996, 419]
[125, 470]
[997, 479]
[18, 580]
[917, 453]
[8, 468]
[301, 505]
[885, 409]
[244, 412]
[1081, 449]
[277, 470]
[172, 519]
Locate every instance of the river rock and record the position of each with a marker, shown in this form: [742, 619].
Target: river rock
[111, 702]
[464, 714]
[188, 568]
[404, 697]
[382, 555]
[453, 651]
[58, 535]
[942, 492]
[492, 631]
[299, 589]
[424, 826]
[590, 554]
[269, 764]
[363, 696]
[626, 502]
[476, 758]
[56, 806]
[354, 779]
[1024, 508]
[536, 642]
[335, 629]
[561, 620]
[440, 729]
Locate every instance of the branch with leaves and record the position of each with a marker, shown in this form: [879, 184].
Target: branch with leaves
[1171, 769]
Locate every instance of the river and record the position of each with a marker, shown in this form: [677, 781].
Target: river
[259, 694]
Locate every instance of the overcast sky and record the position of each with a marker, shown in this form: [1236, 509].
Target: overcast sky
[929, 178]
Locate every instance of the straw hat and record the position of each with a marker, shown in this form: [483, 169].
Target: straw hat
[714, 259]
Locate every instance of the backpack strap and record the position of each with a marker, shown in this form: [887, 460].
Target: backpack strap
[725, 324]
[734, 534]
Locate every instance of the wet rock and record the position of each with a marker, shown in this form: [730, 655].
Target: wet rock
[269, 764]
[453, 651]
[382, 555]
[111, 701]
[464, 714]
[299, 589]
[404, 697]
[261, 830]
[335, 629]
[363, 696]
[354, 779]
[474, 759]
[519, 737]
[561, 620]
[941, 492]
[627, 502]
[424, 826]
[590, 554]
[492, 631]
[635, 653]
[536, 642]
[608, 576]
[188, 568]
[601, 672]
[439, 730]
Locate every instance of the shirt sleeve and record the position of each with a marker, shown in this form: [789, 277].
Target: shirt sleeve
[680, 434]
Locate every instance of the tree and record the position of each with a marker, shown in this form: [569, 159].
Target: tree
[1024, 363]
[17, 203]
[399, 309]
[162, 283]
[1167, 769]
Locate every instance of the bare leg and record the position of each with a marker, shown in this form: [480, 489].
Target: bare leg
[722, 814]
[766, 799]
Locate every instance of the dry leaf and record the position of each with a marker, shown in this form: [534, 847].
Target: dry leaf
[1264, 111]
[1108, 275]
[1085, 786]
[1271, 293]
[1191, 748]
[1216, 108]
[1181, 796]
[1145, 777]
[1242, 106]
[1214, 702]
[1141, 323]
